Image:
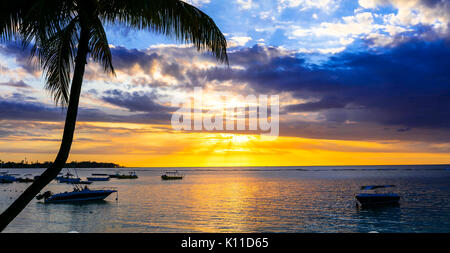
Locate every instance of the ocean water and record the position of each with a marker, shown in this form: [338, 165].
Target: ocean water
[255, 199]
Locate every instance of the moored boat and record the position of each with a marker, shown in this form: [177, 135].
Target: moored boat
[7, 178]
[114, 175]
[99, 174]
[376, 198]
[172, 175]
[96, 178]
[69, 178]
[130, 175]
[5, 181]
[25, 180]
[66, 179]
[78, 194]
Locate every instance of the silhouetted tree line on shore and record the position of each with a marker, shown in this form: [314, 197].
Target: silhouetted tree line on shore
[73, 164]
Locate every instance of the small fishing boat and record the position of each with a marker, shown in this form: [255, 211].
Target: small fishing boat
[172, 175]
[25, 180]
[7, 178]
[96, 178]
[130, 175]
[78, 194]
[114, 175]
[5, 181]
[371, 196]
[69, 178]
[99, 174]
[73, 180]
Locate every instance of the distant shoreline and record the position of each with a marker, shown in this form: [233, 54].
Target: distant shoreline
[98, 165]
[427, 167]
[73, 164]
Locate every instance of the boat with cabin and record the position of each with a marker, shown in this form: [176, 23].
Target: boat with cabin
[78, 194]
[172, 175]
[130, 175]
[371, 196]
[98, 178]
[70, 179]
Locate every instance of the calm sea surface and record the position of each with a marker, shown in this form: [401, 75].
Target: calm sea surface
[256, 199]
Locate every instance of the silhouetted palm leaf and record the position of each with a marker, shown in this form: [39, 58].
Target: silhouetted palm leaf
[56, 56]
[169, 17]
[100, 50]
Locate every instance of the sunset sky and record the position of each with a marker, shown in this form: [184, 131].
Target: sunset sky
[359, 82]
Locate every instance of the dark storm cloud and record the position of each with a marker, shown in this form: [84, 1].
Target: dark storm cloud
[408, 85]
[124, 58]
[323, 104]
[443, 4]
[174, 70]
[135, 101]
[17, 109]
[276, 73]
[398, 93]
[254, 55]
[13, 109]
[361, 131]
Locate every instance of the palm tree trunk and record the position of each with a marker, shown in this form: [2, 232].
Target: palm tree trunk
[20, 203]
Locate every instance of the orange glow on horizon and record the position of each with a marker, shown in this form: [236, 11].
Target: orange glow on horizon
[140, 145]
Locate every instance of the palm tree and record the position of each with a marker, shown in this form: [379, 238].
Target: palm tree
[62, 35]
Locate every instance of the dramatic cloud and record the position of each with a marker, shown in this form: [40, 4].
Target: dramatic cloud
[18, 84]
[413, 12]
[407, 85]
[135, 102]
[14, 109]
[326, 5]
[124, 58]
[397, 91]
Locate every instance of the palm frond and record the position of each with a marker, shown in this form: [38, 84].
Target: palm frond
[99, 45]
[56, 57]
[50, 28]
[11, 15]
[43, 19]
[169, 17]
